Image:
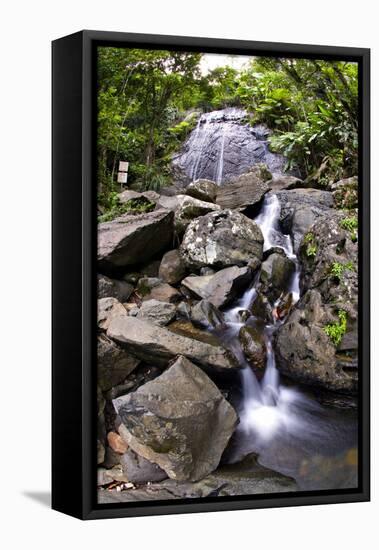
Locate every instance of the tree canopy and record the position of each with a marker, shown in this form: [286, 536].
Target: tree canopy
[149, 100]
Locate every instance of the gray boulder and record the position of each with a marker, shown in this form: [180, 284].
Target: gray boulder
[188, 209]
[152, 288]
[139, 470]
[253, 346]
[129, 194]
[106, 287]
[179, 421]
[301, 208]
[221, 239]
[246, 191]
[106, 308]
[172, 268]
[222, 287]
[204, 190]
[205, 314]
[159, 313]
[159, 345]
[114, 364]
[276, 274]
[129, 239]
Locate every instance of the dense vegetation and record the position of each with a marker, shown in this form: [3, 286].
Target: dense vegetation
[148, 102]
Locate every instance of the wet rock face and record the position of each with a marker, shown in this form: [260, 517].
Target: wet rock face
[245, 191]
[205, 314]
[159, 345]
[223, 146]
[301, 208]
[305, 351]
[129, 239]
[221, 239]
[179, 421]
[253, 346]
[276, 274]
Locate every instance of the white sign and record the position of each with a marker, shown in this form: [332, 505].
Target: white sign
[122, 177]
[123, 166]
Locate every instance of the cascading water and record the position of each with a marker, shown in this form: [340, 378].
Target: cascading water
[224, 145]
[283, 424]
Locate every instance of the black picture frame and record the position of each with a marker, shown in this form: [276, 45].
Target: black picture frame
[74, 274]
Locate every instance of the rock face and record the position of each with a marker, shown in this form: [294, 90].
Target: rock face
[301, 208]
[129, 194]
[221, 239]
[188, 209]
[131, 239]
[247, 477]
[159, 313]
[345, 193]
[152, 288]
[204, 190]
[159, 345]
[114, 364]
[247, 190]
[253, 346]
[224, 145]
[106, 309]
[276, 274]
[172, 269]
[139, 470]
[305, 351]
[179, 421]
[107, 287]
[205, 314]
[222, 287]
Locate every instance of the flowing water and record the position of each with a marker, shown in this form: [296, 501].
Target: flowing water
[287, 426]
[224, 145]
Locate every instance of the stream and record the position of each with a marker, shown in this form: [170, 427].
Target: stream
[291, 430]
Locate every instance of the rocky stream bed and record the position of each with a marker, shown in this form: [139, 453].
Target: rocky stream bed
[227, 328]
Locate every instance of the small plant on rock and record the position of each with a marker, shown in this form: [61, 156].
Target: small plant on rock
[336, 330]
[311, 249]
[351, 225]
[337, 269]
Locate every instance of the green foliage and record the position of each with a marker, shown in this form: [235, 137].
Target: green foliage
[311, 249]
[351, 225]
[149, 101]
[138, 205]
[337, 269]
[336, 330]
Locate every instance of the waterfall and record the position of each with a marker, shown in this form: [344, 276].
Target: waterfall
[266, 404]
[224, 145]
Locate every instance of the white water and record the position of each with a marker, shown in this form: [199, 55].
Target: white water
[267, 406]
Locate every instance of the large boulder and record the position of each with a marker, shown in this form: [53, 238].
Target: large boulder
[253, 346]
[221, 288]
[205, 314]
[301, 208]
[152, 288]
[106, 287]
[276, 274]
[106, 309]
[159, 345]
[114, 364]
[246, 191]
[188, 209]
[129, 239]
[179, 421]
[172, 268]
[159, 313]
[204, 190]
[221, 239]
[129, 194]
